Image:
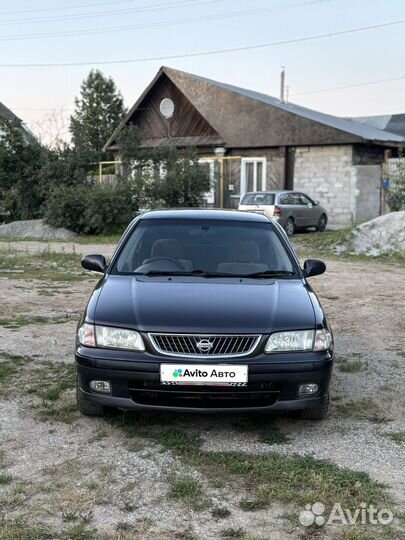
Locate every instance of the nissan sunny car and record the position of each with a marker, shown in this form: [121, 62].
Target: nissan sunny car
[204, 311]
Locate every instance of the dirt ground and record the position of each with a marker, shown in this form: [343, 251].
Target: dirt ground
[67, 476]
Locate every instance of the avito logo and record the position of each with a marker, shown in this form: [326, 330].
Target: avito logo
[201, 374]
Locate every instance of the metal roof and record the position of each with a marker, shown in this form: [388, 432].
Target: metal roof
[393, 123]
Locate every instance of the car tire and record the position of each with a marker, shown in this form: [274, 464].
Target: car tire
[289, 227]
[316, 413]
[87, 408]
[323, 221]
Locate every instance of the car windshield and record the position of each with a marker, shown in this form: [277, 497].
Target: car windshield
[208, 248]
[259, 198]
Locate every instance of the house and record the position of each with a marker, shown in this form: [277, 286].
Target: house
[8, 115]
[252, 141]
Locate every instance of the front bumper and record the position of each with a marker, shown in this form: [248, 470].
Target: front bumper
[272, 385]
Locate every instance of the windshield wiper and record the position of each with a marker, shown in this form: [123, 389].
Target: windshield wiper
[172, 273]
[270, 273]
[207, 274]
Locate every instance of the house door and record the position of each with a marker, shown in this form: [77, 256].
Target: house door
[253, 175]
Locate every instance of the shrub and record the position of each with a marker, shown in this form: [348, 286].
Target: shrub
[91, 208]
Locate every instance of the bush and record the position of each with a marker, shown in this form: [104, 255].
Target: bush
[92, 208]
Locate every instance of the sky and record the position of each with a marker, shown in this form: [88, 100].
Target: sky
[95, 31]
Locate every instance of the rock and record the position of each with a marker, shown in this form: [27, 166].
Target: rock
[34, 228]
[380, 236]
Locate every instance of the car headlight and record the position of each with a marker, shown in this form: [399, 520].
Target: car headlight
[299, 340]
[114, 338]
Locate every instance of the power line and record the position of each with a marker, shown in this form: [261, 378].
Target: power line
[207, 53]
[332, 89]
[187, 20]
[64, 8]
[336, 88]
[91, 15]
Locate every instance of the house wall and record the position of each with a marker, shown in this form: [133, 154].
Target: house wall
[366, 182]
[344, 179]
[325, 174]
[274, 163]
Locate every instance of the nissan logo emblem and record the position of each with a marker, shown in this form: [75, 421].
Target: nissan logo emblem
[204, 345]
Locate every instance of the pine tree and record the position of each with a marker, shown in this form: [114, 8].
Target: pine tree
[98, 111]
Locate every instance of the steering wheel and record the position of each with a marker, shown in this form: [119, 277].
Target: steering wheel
[165, 259]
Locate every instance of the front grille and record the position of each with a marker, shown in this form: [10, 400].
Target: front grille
[255, 395]
[203, 345]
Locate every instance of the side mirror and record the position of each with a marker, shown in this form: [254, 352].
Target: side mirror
[316, 203]
[313, 267]
[96, 263]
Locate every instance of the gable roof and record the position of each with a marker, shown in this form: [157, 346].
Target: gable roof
[245, 118]
[7, 114]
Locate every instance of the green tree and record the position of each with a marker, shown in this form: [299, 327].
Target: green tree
[21, 159]
[396, 194]
[98, 111]
[164, 177]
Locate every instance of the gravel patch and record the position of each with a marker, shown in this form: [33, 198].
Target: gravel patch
[89, 468]
[34, 228]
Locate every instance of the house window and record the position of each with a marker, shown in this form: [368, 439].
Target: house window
[209, 196]
[253, 175]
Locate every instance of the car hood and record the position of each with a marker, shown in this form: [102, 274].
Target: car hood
[203, 305]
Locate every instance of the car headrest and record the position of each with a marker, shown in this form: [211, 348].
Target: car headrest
[167, 247]
[244, 251]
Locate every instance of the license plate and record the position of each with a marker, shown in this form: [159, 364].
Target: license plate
[214, 375]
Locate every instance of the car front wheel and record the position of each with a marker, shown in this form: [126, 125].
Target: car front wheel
[87, 408]
[323, 220]
[289, 227]
[316, 413]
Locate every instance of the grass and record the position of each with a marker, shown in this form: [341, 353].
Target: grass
[46, 380]
[10, 366]
[5, 479]
[251, 505]
[156, 429]
[19, 529]
[189, 491]
[266, 428]
[51, 380]
[65, 413]
[363, 409]
[79, 239]
[47, 265]
[351, 366]
[230, 532]
[397, 436]
[266, 477]
[220, 512]
[295, 479]
[25, 320]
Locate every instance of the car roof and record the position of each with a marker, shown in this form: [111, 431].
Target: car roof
[270, 192]
[204, 213]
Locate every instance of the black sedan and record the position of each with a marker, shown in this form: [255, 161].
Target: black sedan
[206, 311]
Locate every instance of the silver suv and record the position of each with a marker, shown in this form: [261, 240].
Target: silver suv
[292, 209]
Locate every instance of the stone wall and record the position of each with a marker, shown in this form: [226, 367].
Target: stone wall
[325, 174]
[366, 182]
